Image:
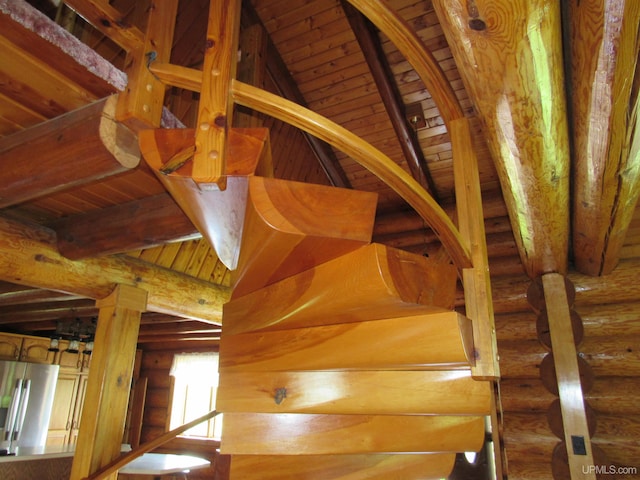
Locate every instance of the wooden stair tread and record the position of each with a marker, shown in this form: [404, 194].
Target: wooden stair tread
[355, 392]
[292, 226]
[372, 282]
[433, 340]
[342, 467]
[299, 434]
[218, 215]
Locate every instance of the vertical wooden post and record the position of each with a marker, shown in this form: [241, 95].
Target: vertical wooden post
[215, 110]
[105, 406]
[476, 281]
[140, 105]
[565, 358]
[252, 69]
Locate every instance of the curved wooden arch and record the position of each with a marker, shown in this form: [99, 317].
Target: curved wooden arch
[365, 154]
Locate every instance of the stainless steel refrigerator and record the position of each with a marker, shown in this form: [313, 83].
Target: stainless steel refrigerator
[26, 399]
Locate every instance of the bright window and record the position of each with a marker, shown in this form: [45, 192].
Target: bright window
[194, 393]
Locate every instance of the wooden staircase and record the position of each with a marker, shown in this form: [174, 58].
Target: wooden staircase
[339, 358]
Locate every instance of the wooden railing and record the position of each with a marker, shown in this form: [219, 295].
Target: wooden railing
[128, 457]
[465, 244]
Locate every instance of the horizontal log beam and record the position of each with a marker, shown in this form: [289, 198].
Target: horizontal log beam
[79, 307]
[177, 340]
[122, 228]
[528, 435]
[80, 147]
[28, 256]
[608, 395]
[525, 395]
[620, 286]
[608, 356]
[13, 294]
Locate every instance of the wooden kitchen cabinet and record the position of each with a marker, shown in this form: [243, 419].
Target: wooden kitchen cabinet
[36, 350]
[25, 348]
[67, 408]
[77, 411]
[10, 346]
[64, 403]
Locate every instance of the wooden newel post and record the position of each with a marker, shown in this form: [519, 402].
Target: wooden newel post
[105, 406]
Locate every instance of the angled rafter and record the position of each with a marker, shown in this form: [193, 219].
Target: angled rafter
[382, 75]
[605, 107]
[510, 58]
[109, 21]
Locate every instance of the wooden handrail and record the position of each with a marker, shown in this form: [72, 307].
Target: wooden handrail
[128, 457]
[365, 154]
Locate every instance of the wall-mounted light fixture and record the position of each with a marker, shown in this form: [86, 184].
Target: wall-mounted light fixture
[54, 344]
[76, 331]
[88, 347]
[74, 345]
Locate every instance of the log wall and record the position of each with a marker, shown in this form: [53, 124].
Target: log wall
[609, 307]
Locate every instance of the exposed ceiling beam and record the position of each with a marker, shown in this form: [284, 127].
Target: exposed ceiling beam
[604, 44]
[184, 328]
[123, 228]
[13, 294]
[80, 147]
[37, 263]
[369, 42]
[512, 66]
[180, 338]
[72, 308]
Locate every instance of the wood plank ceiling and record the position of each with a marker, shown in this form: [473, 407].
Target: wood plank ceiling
[504, 62]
